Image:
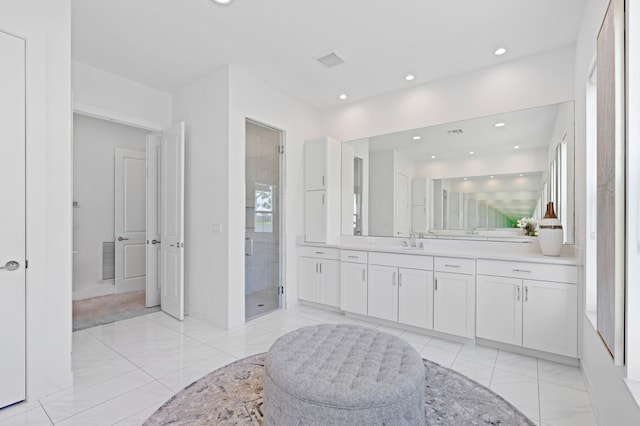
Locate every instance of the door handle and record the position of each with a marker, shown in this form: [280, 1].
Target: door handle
[526, 293]
[154, 242]
[518, 297]
[122, 239]
[11, 265]
[248, 251]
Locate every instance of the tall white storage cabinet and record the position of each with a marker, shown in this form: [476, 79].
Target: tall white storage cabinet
[322, 190]
[421, 190]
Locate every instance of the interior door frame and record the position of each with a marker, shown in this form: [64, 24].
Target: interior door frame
[282, 243]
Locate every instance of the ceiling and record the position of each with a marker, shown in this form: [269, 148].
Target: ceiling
[165, 44]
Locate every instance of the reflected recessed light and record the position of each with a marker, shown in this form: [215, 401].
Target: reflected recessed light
[409, 77]
[491, 177]
[499, 124]
[222, 2]
[433, 156]
[516, 147]
[521, 175]
[343, 96]
[500, 51]
[471, 152]
[417, 138]
[466, 178]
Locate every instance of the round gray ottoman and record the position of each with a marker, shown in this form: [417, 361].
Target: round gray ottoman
[343, 375]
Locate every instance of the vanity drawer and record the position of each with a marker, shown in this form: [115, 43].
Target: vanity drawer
[528, 270]
[455, 265]
[319, 252]
[354, 256]
[401, 260]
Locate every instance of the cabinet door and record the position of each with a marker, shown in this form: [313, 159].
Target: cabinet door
[382, 295]
[354, 288]
[499, 309]
[550, 317]
[415, 297]
[315, 223]
[315, 164]
[330, 282]
[453, 305]
[308, 282]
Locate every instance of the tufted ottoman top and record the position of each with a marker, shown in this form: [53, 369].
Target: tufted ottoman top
[345, 366]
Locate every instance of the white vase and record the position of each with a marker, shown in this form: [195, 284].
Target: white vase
[550, 235]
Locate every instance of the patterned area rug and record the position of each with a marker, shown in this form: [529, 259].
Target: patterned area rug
[232, 395]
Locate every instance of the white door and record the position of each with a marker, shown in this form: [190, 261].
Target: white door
[453, 304]
[330, 282]
[499, 309]
[415, 298]
[347, 182]
[172, 222]
[153, 223]
[12, 218]
[550, 312]
[130, 220]
[308, 281]
[315, 161]
[354, 288]
[402, 220]
[382, 295]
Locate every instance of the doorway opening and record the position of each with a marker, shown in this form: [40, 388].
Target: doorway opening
[109, 223]
[264, 154]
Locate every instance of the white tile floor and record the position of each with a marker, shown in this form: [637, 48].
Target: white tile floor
[125, 370]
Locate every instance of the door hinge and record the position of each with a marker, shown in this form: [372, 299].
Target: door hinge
[280, 149]
[26, 264]
[281, 290]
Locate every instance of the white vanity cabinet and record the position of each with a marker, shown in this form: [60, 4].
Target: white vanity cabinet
[400, 288]
[454, 296]
[527, 304]
[354, 281]
[319, 275]
[322, 190]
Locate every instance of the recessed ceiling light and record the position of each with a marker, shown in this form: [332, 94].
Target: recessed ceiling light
[516, 147]
[409, 77]
[471, 152]
[343, 96]
[500, 51]
[499, 124]
[417, 138]
[222, 2]
[433, 156]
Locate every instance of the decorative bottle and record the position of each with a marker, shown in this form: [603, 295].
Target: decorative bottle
[550, 233]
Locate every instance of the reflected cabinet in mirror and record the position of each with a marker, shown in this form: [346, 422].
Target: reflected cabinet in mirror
[473, 177]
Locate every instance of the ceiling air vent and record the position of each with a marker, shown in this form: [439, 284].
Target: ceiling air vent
[455, 132]
[330, 60]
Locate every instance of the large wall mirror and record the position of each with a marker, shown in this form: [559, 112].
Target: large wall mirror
[472, 177]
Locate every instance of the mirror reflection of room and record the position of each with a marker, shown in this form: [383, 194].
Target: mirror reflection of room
[470, 178]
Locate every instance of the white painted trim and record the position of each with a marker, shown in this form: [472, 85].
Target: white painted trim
[107, 114]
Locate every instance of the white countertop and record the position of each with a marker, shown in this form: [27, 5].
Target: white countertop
[467, 249]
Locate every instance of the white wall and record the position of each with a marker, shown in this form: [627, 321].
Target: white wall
[105, 95]
[611, 399]
[538, 80]
[215, 109]
[46, 25]
[94, 144]
[203, 105]
[251, 98]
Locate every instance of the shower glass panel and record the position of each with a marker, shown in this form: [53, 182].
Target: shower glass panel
[262, 223]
